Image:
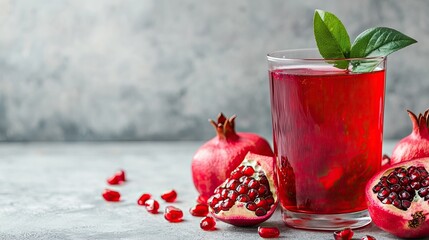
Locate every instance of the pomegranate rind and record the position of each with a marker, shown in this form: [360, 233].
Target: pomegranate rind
[238, 215]
[391, 219]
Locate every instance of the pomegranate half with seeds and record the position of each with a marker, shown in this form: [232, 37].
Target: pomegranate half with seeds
[398, 199]
[248, 196]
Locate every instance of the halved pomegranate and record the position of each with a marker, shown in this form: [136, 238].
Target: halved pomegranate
[398, 199]
[248, 196]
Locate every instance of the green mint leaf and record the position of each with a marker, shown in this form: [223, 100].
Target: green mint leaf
[331, 37]
[379, 41]
[376, 42]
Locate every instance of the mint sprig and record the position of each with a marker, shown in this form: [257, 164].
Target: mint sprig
[333, 42]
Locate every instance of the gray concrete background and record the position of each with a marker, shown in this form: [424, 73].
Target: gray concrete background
[158, 69]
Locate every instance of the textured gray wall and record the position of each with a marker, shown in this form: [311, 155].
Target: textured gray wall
[158, 69]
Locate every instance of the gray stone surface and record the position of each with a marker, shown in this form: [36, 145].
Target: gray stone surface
[53, 191]
[158, 69]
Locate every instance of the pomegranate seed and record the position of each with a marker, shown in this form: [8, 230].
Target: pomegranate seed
[260, 202]
[268, 232]
[415, 185]
[235, 175]
[232, 184]
[404, 195]
[114, 180]
[208, 224]
[270, 200]
[377, 188]
[224, 193]
[393, 180]
[260, 211]
[173, 214]
[393, 195]
[169, 196]
[213, 200]
[262, 190]
[404, 181]
[232, 195]
[252, 194]
[152, 206]
[423, 192]
[387, 201]
[345, 234]
[248, 171]
[406, 204]
[425, 183]
[227, 204]
[243, 198]
[241, 189]
[415, 176]
[396, 188]
[199, 210]
[253, 184]
[111, 196]
[263, 179]
[368, 237]
[251, 206]
[143, 198]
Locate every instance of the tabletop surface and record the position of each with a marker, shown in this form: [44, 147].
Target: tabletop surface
[53, 191]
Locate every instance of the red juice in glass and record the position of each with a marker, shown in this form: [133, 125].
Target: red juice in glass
[327, 134]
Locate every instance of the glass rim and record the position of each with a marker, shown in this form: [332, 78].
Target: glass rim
[271, 57]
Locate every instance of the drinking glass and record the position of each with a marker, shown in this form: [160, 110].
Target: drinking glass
[327, 132]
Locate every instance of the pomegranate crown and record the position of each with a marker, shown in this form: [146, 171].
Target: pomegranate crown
[225, 127]
[420, 122]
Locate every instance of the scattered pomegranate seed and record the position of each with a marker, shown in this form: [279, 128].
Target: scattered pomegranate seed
[368, 237]
[345, 234]
[208, 224]
[173, 214]
[268, 232]
[143, 198]
[111, 196]
[169, 196]
[113, 180]
[199, 210]
[152, 206]
[116, 179]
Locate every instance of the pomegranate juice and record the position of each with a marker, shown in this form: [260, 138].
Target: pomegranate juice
[327, 130]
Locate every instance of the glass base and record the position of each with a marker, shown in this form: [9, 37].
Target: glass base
[326, 221]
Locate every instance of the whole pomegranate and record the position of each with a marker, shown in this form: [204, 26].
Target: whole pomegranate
[247, 197]
[415, 145]
[398, 199]
[215, 159]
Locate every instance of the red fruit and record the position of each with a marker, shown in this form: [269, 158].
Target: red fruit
[345, 234]
[415, 145]
[169, 196]
[173, 214]
[143, 198]
[208, 224]
[199, 210]
[116, 179]
[398, 199]
[225, 151]
[368, 237]
[268, 232]
[242, 210]
[152, 206]
[111, 196]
